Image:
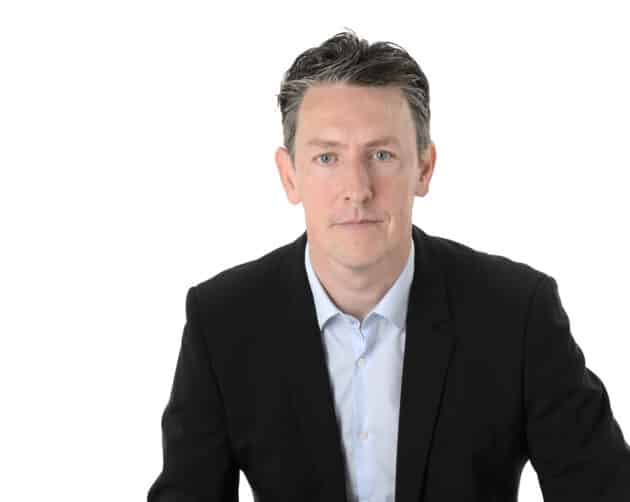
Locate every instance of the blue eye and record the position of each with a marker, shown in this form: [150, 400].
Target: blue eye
[385, 151]
[388, 156]
[321, 155]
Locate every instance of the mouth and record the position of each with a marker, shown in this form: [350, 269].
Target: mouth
[359, 224]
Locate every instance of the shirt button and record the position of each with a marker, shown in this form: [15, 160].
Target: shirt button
[360, 361]
[364, 435]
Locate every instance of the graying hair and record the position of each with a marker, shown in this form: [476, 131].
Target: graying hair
[348, 59]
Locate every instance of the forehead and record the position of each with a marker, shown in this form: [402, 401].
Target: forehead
[342, 107]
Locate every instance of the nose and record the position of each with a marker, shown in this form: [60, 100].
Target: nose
[357, 183]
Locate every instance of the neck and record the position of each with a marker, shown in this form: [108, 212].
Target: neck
[357, 291]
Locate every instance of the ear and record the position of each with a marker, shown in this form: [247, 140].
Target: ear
[427, 164]
[288, 175]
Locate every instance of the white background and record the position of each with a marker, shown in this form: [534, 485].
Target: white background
[136, 156]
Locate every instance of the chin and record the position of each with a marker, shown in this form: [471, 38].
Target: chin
[357, 260]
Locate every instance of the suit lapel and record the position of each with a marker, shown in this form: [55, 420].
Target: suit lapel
[310, 385]
[429, 343]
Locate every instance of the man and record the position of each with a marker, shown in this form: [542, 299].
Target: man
[368, 360]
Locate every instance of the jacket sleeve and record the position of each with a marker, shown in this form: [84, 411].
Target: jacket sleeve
[197, 461]
[574, 443]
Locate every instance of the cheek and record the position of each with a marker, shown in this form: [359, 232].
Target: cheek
[316, 200]
[393, 193]
[318, 191]
[398, 197]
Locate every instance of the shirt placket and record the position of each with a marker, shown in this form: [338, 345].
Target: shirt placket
[362, 436]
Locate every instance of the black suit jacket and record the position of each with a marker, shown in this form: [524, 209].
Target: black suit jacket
[492, 377]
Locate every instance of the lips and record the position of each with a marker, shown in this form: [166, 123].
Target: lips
[358, 222]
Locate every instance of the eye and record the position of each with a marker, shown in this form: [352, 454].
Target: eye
[327, 154]
[386, 152]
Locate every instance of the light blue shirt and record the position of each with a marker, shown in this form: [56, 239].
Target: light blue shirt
[365, 366]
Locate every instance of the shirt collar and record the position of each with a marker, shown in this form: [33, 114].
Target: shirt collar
[393, 305]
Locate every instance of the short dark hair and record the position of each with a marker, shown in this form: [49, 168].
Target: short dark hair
[346, 58]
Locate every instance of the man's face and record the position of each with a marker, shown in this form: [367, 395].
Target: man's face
[353, 180]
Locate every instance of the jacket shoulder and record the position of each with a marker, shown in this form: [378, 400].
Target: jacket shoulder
[476, 268]
[244, 280]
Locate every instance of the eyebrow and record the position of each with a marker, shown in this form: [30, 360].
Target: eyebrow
[385, 140]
